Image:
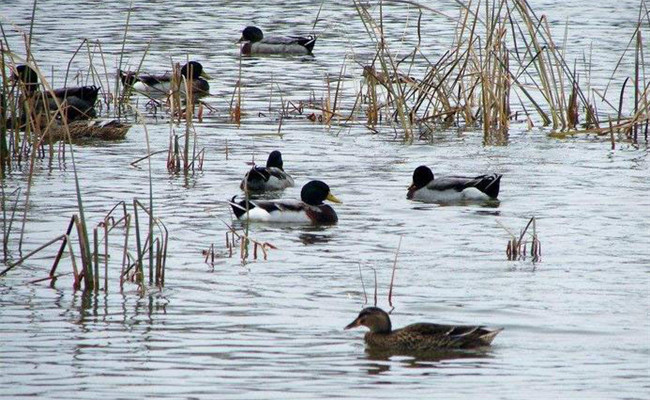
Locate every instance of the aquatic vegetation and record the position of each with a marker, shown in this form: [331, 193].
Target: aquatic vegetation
[516, 248]
[504, 64]
[148, 246]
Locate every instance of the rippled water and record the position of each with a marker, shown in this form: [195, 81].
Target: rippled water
[576, 324]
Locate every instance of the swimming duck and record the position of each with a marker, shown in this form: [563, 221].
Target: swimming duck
[159, 85]
[78, 102]
[310, 209]
[426, 188]
[420, 337]
[271, 177]
[254, 42]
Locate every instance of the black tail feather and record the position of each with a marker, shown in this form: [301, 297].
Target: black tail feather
[238, 208]
[128, 78]
[489, 184]
[308, 42]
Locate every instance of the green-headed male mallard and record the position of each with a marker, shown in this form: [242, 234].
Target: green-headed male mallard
[160, 85]
[254, 42]
[269, 178]
[452, 188]
[310, 209]
[420, 337]
[78, 102]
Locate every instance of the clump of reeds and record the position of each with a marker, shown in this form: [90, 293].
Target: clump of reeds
[516, 248]
[504, 63]
[150, 250]
[239, 243]
[26, 127]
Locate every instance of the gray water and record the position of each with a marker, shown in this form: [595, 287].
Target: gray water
[576, 323]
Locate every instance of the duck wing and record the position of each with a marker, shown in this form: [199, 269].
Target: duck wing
[255, 179]
[270, 206]
[307, 42]
[449, 336]
[263, 178]
[78, 102]
[152, 80]
[130, 78]
[488, 184]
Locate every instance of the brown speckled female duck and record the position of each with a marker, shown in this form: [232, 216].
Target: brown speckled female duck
[419, 337]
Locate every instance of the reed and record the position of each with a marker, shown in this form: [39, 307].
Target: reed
[235, 101]
[392, 281]
[236, 241]
[153, 248]
[516, 249]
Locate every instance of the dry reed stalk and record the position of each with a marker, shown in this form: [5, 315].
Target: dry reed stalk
[235, 101]
[363, 286]
[244, 241]
[516, 246]
[496, 44]
[392, 277]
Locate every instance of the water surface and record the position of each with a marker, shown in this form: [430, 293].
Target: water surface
[576, 324]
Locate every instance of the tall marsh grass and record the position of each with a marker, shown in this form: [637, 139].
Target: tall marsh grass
[504, 63]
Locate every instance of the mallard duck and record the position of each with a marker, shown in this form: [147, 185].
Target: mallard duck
[159, 85]
[269, 178]
[310, 210]
[420, 337]
[78, 102]
[254, 42]
[450, 188]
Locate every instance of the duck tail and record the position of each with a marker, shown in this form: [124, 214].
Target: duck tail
[239, 208]
[489, 184]
[127, 78]
[257, 174]
[489, 336]
[93, 93]
[309, 44]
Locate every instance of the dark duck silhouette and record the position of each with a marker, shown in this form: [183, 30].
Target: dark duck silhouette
[78, 102]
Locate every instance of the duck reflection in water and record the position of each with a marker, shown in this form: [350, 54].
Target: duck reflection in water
[381, 360]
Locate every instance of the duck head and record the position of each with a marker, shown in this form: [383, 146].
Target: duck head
[315, 192]
[274, 160]
[27, 76]
[194, 70]
[421, 177]
[251, 34]
[376, 319]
